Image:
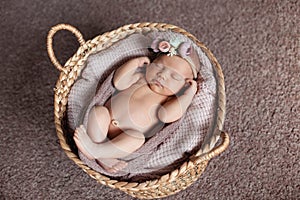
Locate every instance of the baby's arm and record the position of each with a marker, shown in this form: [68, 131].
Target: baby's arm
[174, 109]
[126, 75]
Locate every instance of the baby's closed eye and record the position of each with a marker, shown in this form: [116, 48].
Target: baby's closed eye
[177, 77]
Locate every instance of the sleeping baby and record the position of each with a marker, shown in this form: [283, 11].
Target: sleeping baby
[149, 95]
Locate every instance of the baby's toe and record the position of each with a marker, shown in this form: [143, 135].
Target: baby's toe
[112, 170]
[117, 167]
[120, 165]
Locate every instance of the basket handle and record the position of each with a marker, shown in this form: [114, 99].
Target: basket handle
[51, 33]
[215, 151]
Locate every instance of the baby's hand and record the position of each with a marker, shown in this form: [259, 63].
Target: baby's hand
[141, 61]
[191, 88]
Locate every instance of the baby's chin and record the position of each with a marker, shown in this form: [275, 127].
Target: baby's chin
[160, 90]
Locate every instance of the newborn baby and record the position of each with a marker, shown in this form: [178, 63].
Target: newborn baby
[149, 95]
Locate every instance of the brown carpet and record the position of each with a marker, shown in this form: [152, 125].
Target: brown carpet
[256, 42]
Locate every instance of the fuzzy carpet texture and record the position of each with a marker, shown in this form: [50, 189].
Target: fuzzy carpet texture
[256, 42]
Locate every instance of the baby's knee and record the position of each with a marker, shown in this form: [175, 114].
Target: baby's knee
[98, 122]
[100, 113]
[101, 110]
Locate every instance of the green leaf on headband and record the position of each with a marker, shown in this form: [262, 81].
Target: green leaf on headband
[175, 43]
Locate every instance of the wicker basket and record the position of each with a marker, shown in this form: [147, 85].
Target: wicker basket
[170, 183]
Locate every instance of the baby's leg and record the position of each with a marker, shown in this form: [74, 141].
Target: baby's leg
[111, 165]
[98, 123]
[107, 152]
[119, 147]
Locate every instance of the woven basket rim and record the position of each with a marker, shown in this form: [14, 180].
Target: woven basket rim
[72, 70]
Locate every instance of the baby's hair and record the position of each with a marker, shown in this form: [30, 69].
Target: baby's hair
[155, 55]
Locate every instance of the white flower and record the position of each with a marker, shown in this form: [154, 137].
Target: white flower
[172, 52]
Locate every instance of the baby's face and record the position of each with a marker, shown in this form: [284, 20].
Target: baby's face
[168, 74]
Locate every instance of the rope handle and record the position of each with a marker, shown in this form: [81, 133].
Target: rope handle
[51, 33]
[215, 151]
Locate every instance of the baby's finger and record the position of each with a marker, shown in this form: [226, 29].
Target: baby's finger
[144, 61]
[190, 82]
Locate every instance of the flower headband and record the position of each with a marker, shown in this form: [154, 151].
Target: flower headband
[176, 47]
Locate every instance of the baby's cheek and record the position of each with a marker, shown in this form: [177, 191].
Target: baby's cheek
[176, 87]
[180, 85]
[150, 73]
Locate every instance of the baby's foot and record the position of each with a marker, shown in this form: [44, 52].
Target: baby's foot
[83, 142]
[112, 165]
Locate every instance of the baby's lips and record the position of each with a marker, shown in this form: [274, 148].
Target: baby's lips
[157, 82]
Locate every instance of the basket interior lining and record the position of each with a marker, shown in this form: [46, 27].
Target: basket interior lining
[178, 146]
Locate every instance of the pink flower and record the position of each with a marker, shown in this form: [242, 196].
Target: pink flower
[164, 46]
[155, 43]
[184, 49]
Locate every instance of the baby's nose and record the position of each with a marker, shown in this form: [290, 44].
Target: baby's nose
[162, 74]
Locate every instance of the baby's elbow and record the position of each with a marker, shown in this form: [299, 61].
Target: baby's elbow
[168, 117]
[162, 116]
[115, 83]
[118, 85]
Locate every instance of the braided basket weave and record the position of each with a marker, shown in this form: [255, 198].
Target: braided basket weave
[170, 183]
